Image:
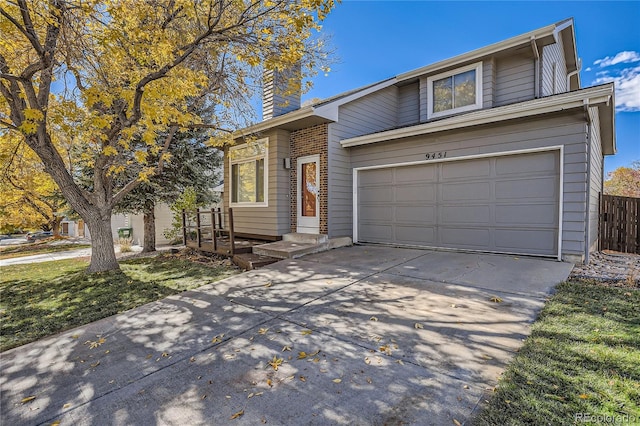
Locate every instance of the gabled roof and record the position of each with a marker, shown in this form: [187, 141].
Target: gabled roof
[541, 36]
[326, 110]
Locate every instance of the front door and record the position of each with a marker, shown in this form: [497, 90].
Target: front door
[308, 169]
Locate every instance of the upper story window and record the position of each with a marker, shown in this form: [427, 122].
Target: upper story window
[455, 91]
[248, 169]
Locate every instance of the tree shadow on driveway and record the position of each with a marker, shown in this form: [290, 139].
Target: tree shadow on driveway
[300, 342]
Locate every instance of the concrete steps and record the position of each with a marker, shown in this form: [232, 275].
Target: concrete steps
[296, 245]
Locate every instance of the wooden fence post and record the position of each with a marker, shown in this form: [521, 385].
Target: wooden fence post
[232, 240]
[213, 230]
[198, 233]
[184, 227]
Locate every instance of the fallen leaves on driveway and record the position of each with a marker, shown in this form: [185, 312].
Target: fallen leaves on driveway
[218, 338]
[27, 399]
[275, 362]
[237, 415]
[94, 344]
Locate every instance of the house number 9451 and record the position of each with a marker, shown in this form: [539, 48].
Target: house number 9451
[436, 155]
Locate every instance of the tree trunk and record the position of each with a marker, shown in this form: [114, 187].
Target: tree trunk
[55, 225]
[149, 243]
[103, 255]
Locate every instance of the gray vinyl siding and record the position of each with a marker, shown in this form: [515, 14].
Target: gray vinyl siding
[371, 113]
[554, 69]
[273, 220]
[515, 78]
[595, 181]
[423, 99]
[409, 104]
[488, 82]
[566, 130]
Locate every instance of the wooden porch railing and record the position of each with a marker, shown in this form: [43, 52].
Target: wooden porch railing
[209, 230]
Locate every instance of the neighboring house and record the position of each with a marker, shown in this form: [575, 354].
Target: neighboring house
[73, 228]
[163, 219]
[496, 150]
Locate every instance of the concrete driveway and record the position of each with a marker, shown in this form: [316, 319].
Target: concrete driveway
[360, 335]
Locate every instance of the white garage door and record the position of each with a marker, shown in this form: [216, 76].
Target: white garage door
[503, 204]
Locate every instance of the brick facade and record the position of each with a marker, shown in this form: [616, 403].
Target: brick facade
[310, 141]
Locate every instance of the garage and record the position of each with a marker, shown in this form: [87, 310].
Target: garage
[504, 203]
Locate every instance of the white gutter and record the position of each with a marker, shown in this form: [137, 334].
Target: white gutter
[559, 27]
[536, 78]
[276, 121]
[572, 73]
[561, 102]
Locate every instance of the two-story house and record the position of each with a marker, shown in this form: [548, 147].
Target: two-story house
[496, 150]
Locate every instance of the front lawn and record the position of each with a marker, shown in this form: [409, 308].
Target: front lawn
[581, 364]
[41, 299]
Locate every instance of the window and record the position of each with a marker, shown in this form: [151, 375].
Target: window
[248, 164]
[455, 91]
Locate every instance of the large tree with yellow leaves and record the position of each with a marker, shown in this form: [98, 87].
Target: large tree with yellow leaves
[101, 74]
[30, 198]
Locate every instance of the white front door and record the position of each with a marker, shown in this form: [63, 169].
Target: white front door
[308, 202]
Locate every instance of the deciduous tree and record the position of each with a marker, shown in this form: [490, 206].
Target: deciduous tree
[624, 181]
[124, 70]
[30, 198]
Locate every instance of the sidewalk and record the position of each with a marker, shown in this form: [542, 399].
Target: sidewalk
[71, 254]
[47, 257]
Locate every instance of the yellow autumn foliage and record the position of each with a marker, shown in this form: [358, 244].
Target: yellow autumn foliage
[85, 82]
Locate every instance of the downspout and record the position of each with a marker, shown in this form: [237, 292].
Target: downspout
[572, 73]
[587, 228]
[536, 79]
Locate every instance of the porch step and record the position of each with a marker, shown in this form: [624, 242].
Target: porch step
[249, 261]
[297, 237]
[287, 249]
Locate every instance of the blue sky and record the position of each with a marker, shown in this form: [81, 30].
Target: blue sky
[374, 40]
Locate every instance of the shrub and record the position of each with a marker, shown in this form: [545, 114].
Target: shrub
[125, 244]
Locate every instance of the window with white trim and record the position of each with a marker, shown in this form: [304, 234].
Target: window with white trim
[455, 91]
[248, 173]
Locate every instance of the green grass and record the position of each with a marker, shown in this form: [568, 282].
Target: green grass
[583, 356]
[41, 299]
[37, 248]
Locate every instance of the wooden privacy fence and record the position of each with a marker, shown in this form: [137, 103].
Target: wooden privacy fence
[619, 230]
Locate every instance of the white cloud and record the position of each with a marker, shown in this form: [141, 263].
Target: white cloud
[625, 57]
[627, 84]
[588, 69]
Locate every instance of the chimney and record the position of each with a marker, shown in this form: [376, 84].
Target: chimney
[275, 97]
